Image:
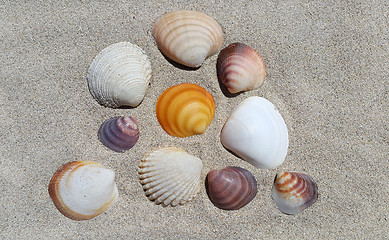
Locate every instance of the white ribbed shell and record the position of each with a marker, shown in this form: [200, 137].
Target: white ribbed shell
[256, 132]
[119, 75]
[170, 176]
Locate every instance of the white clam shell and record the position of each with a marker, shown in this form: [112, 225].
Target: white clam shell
[257, 133]
[119, 75]
[188, 37]
[170, 176]
[83, 190]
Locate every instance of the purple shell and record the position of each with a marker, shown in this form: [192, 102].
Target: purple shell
[230, 188]
[119, 133]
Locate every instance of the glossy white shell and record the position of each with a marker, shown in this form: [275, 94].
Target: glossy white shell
[119, 75]
[257, 133]
[188, 37]
[170, 176]
[83, 190]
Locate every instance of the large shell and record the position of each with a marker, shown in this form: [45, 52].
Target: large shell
[188, 37]
[119, 133]
[170, 176]
[240, 68]
[83, 190]
[231, 188]
[119, 75]
[293, 192]
[257, 133]
[185, 110]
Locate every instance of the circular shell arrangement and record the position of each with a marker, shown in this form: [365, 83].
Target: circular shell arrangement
[119, 75]
[188, 37]
[185, 110]
[83, 190]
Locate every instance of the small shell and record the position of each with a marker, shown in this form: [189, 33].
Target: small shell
[83, 190]
[293, 192]
[231, 188]
[257, 133]
[119, 133]
[119, 75]
[188, 37]
[170, 176]
[185, 110]
[240, 68]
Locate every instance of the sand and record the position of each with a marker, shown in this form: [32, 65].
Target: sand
[328, 75]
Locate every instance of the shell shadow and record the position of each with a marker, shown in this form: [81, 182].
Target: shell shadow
[179, 65]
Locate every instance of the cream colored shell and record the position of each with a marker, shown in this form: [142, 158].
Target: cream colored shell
[83, 190]
[257, 133]
[188, 37]
[119, 75]
[170, 176]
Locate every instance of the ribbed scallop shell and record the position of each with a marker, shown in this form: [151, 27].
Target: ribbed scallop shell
[240, 68]
[188, 37]
[83, 190]
[231, 188]
[293, 192]
[170, 176]
[119, 75]
[257, 133]
[119, 133]
[185, 110]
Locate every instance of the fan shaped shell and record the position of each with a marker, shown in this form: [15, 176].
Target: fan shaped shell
[170, 176]
[240, 68]
[119, 75]
[119, 133]
[185, 110]
[83, 190]
[188, 37]
[293, 192]
[231, 188]
[257, 133]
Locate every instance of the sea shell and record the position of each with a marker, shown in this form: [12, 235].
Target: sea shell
[231, 188]
[119, 75]
[119, 133]
[83, 190]
[240, 68]
[185, 110]
[293, 192]
[188, 37]
[257, 133]
[170, 176]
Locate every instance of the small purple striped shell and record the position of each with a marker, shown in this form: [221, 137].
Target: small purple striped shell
[293, 192]
[231, 188]
[119, 133]
[240, 68]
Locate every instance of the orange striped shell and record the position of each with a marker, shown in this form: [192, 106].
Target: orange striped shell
[185, 110]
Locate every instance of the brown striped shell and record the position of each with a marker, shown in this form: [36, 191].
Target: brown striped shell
[231, 188]
[240, 68]
[293, 192]
[83, 190]
[119, 133]
[185, 110]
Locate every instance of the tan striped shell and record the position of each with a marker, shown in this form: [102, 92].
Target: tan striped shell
[188, 37]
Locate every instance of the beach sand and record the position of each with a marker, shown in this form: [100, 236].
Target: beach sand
[327, 74]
